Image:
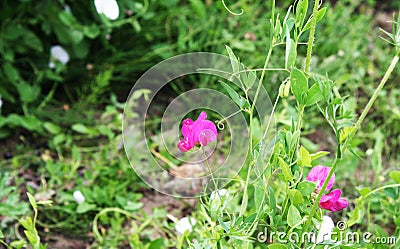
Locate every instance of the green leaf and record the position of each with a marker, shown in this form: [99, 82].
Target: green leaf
[250, 79]
[299, 84]
[319, 154]
[259, 194]
[91, 31]
[33, 238]
[31, 41]
[364, 191]
[233, 94]
[52, 128]
[29, 122]
[295, 196]
[395, 175]
[80, 128]
[313, 95]
[272, 201]
[27, 223]
[320, 15]
[285, 170]
[251, 218]
[85, 207]
[199, 8]
[391, 192]
[306, 187]
[293, 216]
[32, 201]
[301, 12]
[291, 52]
[28, 93]
[17, 244]
[234, 60]
[58, 139]
[224, 225]
[67, 18]
[156, 244]
[345, 132]
[356, 216]
[1, 234]
[11, 73]
[305, 157]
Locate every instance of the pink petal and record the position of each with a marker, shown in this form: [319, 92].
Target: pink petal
[184, 145]
[206, 126]
[187, 127]
[206, 136]
[318, 174]
[202, 116]
[332, 201]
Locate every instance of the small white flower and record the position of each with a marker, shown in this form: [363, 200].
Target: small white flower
[219, 194]
[1, 102]
[78, 196]
[107, 7]
[325, 229]
[58, 53]
[185, 224]
[67, 9]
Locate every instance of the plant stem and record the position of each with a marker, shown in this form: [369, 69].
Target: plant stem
[209, 169]
[380, 188]
[357, 126]
[365, 112]
[311, 37]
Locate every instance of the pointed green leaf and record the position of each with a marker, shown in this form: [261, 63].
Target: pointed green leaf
[287, 174]
[295, 196]
[234, 60]
[395, 175]
[233, 94]
[320, 15]
[319, 154]
[299, 84]
[313, 95]
[306, 187]
[293, 216]
[305, 157]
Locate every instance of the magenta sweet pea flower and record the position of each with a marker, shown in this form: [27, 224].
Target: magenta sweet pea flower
[201, 131]
[318, 174]
[332, 201]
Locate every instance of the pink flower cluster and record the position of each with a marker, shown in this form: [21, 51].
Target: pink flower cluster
[197, 132]
[332, 200]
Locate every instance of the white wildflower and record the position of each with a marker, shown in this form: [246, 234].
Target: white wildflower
[107, 7]
[58, 53]
[78, 196]
[325, 229]
[185, 224]
[219, 194]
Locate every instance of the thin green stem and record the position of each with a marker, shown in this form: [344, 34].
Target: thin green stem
[380, 188]
[311, 37]
[365, 112]
[209, 169]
